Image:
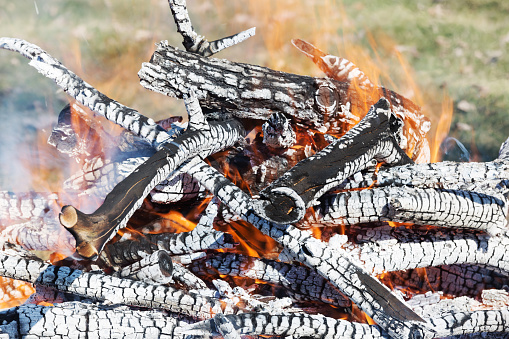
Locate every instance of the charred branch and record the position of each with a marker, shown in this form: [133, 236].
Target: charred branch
[377, 136]
[195, 43]
[87, 95]
[432, 206]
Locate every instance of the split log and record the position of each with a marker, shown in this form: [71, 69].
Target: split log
[377, 136]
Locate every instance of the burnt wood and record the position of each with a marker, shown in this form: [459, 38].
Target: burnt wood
[377, 137]
[93, 231]
[255, 92]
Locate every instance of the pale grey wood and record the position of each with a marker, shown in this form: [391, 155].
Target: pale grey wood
[87, 95]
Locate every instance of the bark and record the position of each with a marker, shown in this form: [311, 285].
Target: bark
[254, 92]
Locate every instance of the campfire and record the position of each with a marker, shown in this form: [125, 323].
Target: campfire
[284, 205]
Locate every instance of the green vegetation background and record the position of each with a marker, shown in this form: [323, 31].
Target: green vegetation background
[456, 46]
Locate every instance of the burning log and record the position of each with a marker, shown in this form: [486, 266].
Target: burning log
[438, 207]
[108, 288]
[202, 237]
[92, 231]
[28, 220]
[92, 321]
[299, 282]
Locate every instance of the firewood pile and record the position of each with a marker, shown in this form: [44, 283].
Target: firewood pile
[317, 211]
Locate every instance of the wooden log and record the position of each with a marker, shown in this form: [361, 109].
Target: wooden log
[299, 282]
[107, 288]
[254, 92]
[29, 220]
[430, 206]
[80, 320]
[337, 266]
[377, 136]
[93, 231]
[278, 132]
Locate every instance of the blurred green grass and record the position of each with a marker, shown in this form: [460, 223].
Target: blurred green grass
[458, 46]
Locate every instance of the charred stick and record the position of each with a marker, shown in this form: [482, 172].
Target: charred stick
[87, 95]
[93, 231]
[195, 43]
[377, 136]
[81, 320]
[299, 282]
[108, 288]
[337, 266]
[255, 92]
[201, 238]
[432, 206]
[397, 249]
